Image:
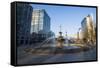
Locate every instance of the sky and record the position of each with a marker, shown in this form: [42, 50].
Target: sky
[69, 17]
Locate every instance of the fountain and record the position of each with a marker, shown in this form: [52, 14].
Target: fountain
[60, 41]
[50, 40]
[54, 42]
[57, 45]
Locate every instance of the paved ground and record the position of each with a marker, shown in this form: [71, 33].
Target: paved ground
[31, 55]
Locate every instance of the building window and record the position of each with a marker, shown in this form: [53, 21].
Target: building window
[22, 41]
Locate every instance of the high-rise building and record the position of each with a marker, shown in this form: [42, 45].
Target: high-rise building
[40, 21]
[40, 25]
[23, 22]
[88, 30]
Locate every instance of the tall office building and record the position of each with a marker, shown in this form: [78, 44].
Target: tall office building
[40, 23]
[23, 24]
[88, 30]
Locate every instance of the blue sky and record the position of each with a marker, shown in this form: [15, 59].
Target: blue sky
[67, 16]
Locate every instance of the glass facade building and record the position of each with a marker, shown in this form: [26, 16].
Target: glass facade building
[40, 26]
[88, 29]
[40, 21]
[23, 24]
